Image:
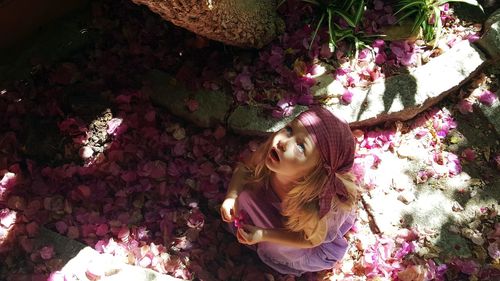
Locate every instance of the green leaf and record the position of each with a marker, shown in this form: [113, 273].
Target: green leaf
[312, 2]
[347, 5]
[316, 30]
[330, 28]
[407, 15]
[409, 6]
[359, 12]
[428, 31]
[420, 21]
[346, 18]
[437, 25]
[345, 36]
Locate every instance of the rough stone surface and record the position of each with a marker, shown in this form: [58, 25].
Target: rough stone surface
[213, 105]
[490, 41]
[400, 97]
[434, 209]
[77, 257]
[440, 208]
[64, 247]
[404, 96]
[253, 121]
[113, 268]
[492, 113]
[243, 23]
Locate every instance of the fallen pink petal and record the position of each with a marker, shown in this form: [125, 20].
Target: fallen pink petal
[122, 140]
[487, 98]
[469, 154]
[465, 106]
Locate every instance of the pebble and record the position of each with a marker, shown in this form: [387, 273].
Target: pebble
[406, 197]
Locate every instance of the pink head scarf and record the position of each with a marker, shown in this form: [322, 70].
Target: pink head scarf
[336, 143]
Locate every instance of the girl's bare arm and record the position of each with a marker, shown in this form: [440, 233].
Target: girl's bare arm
[238, 180]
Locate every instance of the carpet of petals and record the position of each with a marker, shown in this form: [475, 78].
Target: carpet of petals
[129, 179]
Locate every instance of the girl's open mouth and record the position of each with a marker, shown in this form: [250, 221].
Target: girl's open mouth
[274, 155]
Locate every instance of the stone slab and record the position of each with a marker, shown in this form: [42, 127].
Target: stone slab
[164, 91]
[403, 96]
[64, 247]
[492, 113]
[253, 121]
[490, 40]
[432, 207]
[77, 257]
[400, 97]
[114, 269]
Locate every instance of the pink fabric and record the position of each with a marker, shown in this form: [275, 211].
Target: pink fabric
[264, 209]
[336, 143]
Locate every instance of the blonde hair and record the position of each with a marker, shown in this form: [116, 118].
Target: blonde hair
[301, 205]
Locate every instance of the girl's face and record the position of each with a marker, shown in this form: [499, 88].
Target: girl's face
[293, 154]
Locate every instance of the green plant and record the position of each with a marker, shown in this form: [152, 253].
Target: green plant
[426, 15]
[351, 11]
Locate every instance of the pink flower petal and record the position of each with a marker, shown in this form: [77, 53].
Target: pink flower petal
[61, 227]
[47, 252]
[102, 229]
[73, 232]
[465, 106]
[219, 132]
[32, 229]
[469, 154]
[493, 250]
[113, 125]
[124, 234]
[192, 105]
[347, 97]
[487, 98]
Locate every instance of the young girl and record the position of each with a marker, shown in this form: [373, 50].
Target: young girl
[296, 194]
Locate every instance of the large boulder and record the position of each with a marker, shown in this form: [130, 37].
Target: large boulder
[242, 23]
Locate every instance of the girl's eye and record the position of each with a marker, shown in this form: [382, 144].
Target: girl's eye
[288, 130]
[301, 147]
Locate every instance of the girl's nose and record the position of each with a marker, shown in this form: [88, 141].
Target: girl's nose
[281, 145]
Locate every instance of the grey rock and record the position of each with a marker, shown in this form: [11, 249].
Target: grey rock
[404, 96]
[492, 113]
[77, 257]
[164, 91]
[451, 244]
[399, 97]
[64, 247]
[490, 41]
[113, 268]
[434, 210]
[253, 121]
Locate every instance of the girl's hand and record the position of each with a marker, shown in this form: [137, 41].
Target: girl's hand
[228, 209]
[250, 234]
